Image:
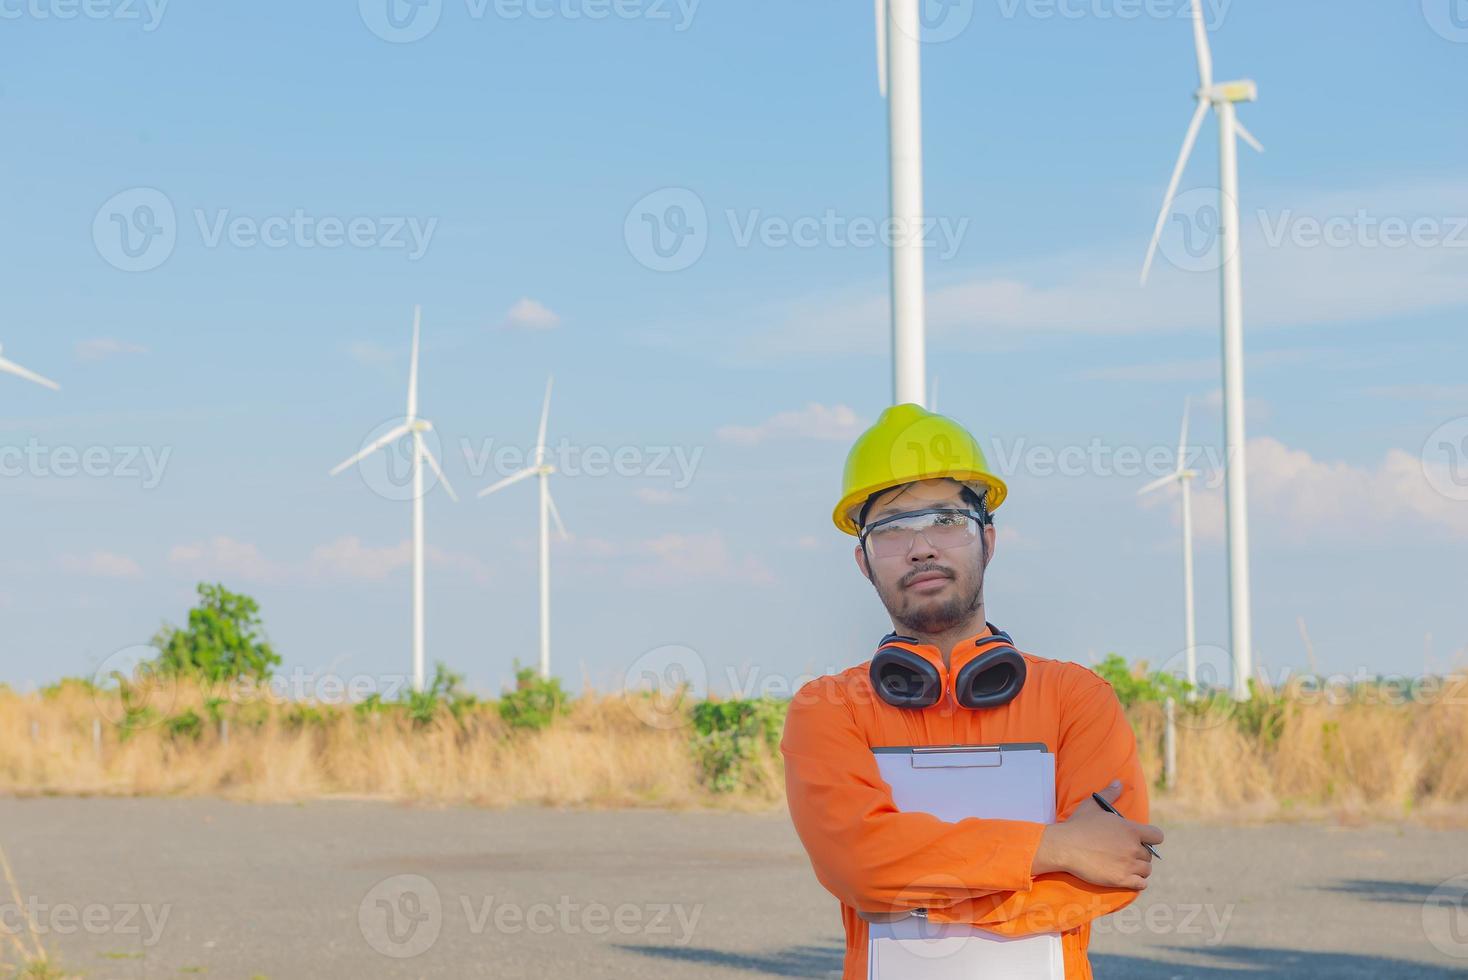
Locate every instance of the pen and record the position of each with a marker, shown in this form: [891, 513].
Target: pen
[1101, 802]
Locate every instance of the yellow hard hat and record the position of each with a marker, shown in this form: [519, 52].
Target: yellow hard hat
[908, 443]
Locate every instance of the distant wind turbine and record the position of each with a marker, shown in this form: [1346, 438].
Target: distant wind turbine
[1222, 97]
[1183, 476]
[416, 427]
[542, 469]
[10, 367]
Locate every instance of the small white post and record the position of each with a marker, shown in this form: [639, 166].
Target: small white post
[1169, 746]
[224, 731]
[97, 737]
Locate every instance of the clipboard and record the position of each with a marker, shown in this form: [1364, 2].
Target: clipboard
[1009, 781]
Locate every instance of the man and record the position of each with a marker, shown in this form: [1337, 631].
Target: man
[918, 495]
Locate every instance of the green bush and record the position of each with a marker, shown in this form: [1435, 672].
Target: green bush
[1134, 686]
[535, 702]
[728, 736]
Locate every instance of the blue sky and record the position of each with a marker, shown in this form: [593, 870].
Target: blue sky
[519, 139]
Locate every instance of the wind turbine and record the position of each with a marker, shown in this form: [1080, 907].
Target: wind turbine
[416, 427]
[548, 509]
[1222, 97]
[1183, 476]
[10, 367]
[899, 68]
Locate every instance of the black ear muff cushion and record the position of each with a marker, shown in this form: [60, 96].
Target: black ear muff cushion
[991, 679]
[905, 680]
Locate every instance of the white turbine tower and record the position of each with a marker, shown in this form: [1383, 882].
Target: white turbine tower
[1222, 97]
[899, 77]
[539, 467]
[10, 367]
[1183, 476]
[420, 454]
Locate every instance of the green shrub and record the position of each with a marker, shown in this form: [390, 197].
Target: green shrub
[729, 735]
[1136, 685]
[535, 702]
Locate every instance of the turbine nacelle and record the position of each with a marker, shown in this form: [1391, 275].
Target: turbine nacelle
[1244, 90]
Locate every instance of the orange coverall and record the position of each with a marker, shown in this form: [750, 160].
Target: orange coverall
[874, 858]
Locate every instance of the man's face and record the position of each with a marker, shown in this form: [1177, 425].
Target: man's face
[926, 590]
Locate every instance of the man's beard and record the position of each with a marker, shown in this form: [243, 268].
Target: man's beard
[918, 616]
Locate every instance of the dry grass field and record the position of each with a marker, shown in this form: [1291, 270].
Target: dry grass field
[1287, 755]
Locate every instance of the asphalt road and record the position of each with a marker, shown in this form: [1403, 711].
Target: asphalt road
[173, 888]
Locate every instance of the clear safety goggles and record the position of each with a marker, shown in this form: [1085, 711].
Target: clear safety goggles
[943, 528]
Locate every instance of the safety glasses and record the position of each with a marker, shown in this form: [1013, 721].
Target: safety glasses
[943, 528]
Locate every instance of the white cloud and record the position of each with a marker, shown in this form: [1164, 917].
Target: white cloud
[370, 352]
[1454, 394]
[530, 314]
[347, 559]
[677, 559]
[814, 421]
[1294, 496]
[660, 497]
[98, 348]
[1289, 279]
[100, 564]
[225, 556]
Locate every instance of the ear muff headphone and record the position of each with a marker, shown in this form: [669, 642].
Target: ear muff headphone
[905, 679]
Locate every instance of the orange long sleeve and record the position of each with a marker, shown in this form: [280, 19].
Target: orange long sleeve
[874, 858]
[866, 852]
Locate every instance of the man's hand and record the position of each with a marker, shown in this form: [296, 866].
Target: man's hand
[1099, 847]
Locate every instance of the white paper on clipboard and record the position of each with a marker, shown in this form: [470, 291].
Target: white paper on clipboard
[997, 782]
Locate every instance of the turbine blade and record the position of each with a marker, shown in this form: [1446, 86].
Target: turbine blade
[882, 47]
[557, 515]
[427, 454]
[1182, 440]
[376, 444]
[1161, 481]
[1200, 40]
[1248, 137]
[413, 368]
[1177, 175]
[544, 415]
[10, 367]
[513, 478]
